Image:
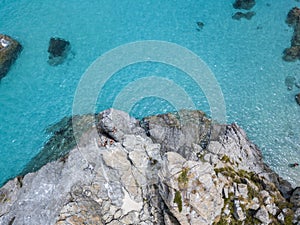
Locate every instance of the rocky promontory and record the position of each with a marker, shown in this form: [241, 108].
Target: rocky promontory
[9, 51]
[176, 168]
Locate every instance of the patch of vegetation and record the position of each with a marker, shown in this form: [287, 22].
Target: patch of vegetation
[200, 156]
[2, 197]
[284, 204]
[225, 159]
[223, 221]
[240, 175]
[228, 172]
[250, 219]
[252, 193]
[288, 219]
[183, 178]
[178, 200]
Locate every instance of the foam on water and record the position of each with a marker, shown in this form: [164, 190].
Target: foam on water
[245, 57]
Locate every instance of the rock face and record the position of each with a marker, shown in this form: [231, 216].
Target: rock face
[244, 4]
[293, 19]
[168, 169]
[9, 51]
[58, 51]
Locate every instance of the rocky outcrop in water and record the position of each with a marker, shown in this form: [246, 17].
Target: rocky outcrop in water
[9, 51]
[178, 168]
[244, 4]
[293, 19]
[58, 51]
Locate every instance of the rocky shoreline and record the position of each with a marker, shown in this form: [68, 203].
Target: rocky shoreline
[178, 168]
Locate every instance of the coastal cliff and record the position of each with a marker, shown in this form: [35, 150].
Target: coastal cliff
[176, 168]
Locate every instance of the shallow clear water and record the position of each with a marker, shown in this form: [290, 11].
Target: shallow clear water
[245, 57]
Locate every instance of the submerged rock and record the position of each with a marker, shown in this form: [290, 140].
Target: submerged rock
[240, 15]
[58, 51]
[61, 141]
[165, 169]
[291, 54]
[293, 19]
[9, 51]
[290, 81]
[244, 4]
[200, 25]
[297, 98]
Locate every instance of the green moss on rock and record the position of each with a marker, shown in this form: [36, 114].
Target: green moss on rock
[183, 178]
[178, 200]
[225, 159]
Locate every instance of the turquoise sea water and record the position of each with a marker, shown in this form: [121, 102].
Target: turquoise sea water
[245, 57]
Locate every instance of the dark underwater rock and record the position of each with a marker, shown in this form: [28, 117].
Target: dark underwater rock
[240, 15]
[291, 54]
[244, 4]
[290, 81]
[200, 25]
[9, 51]
[293, 19]
[297, 98]
[61, 141]
[58, 49]
[293, 16]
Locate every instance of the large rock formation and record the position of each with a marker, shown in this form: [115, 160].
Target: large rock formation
[293, 19]
[9, 51]
[176, 168]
